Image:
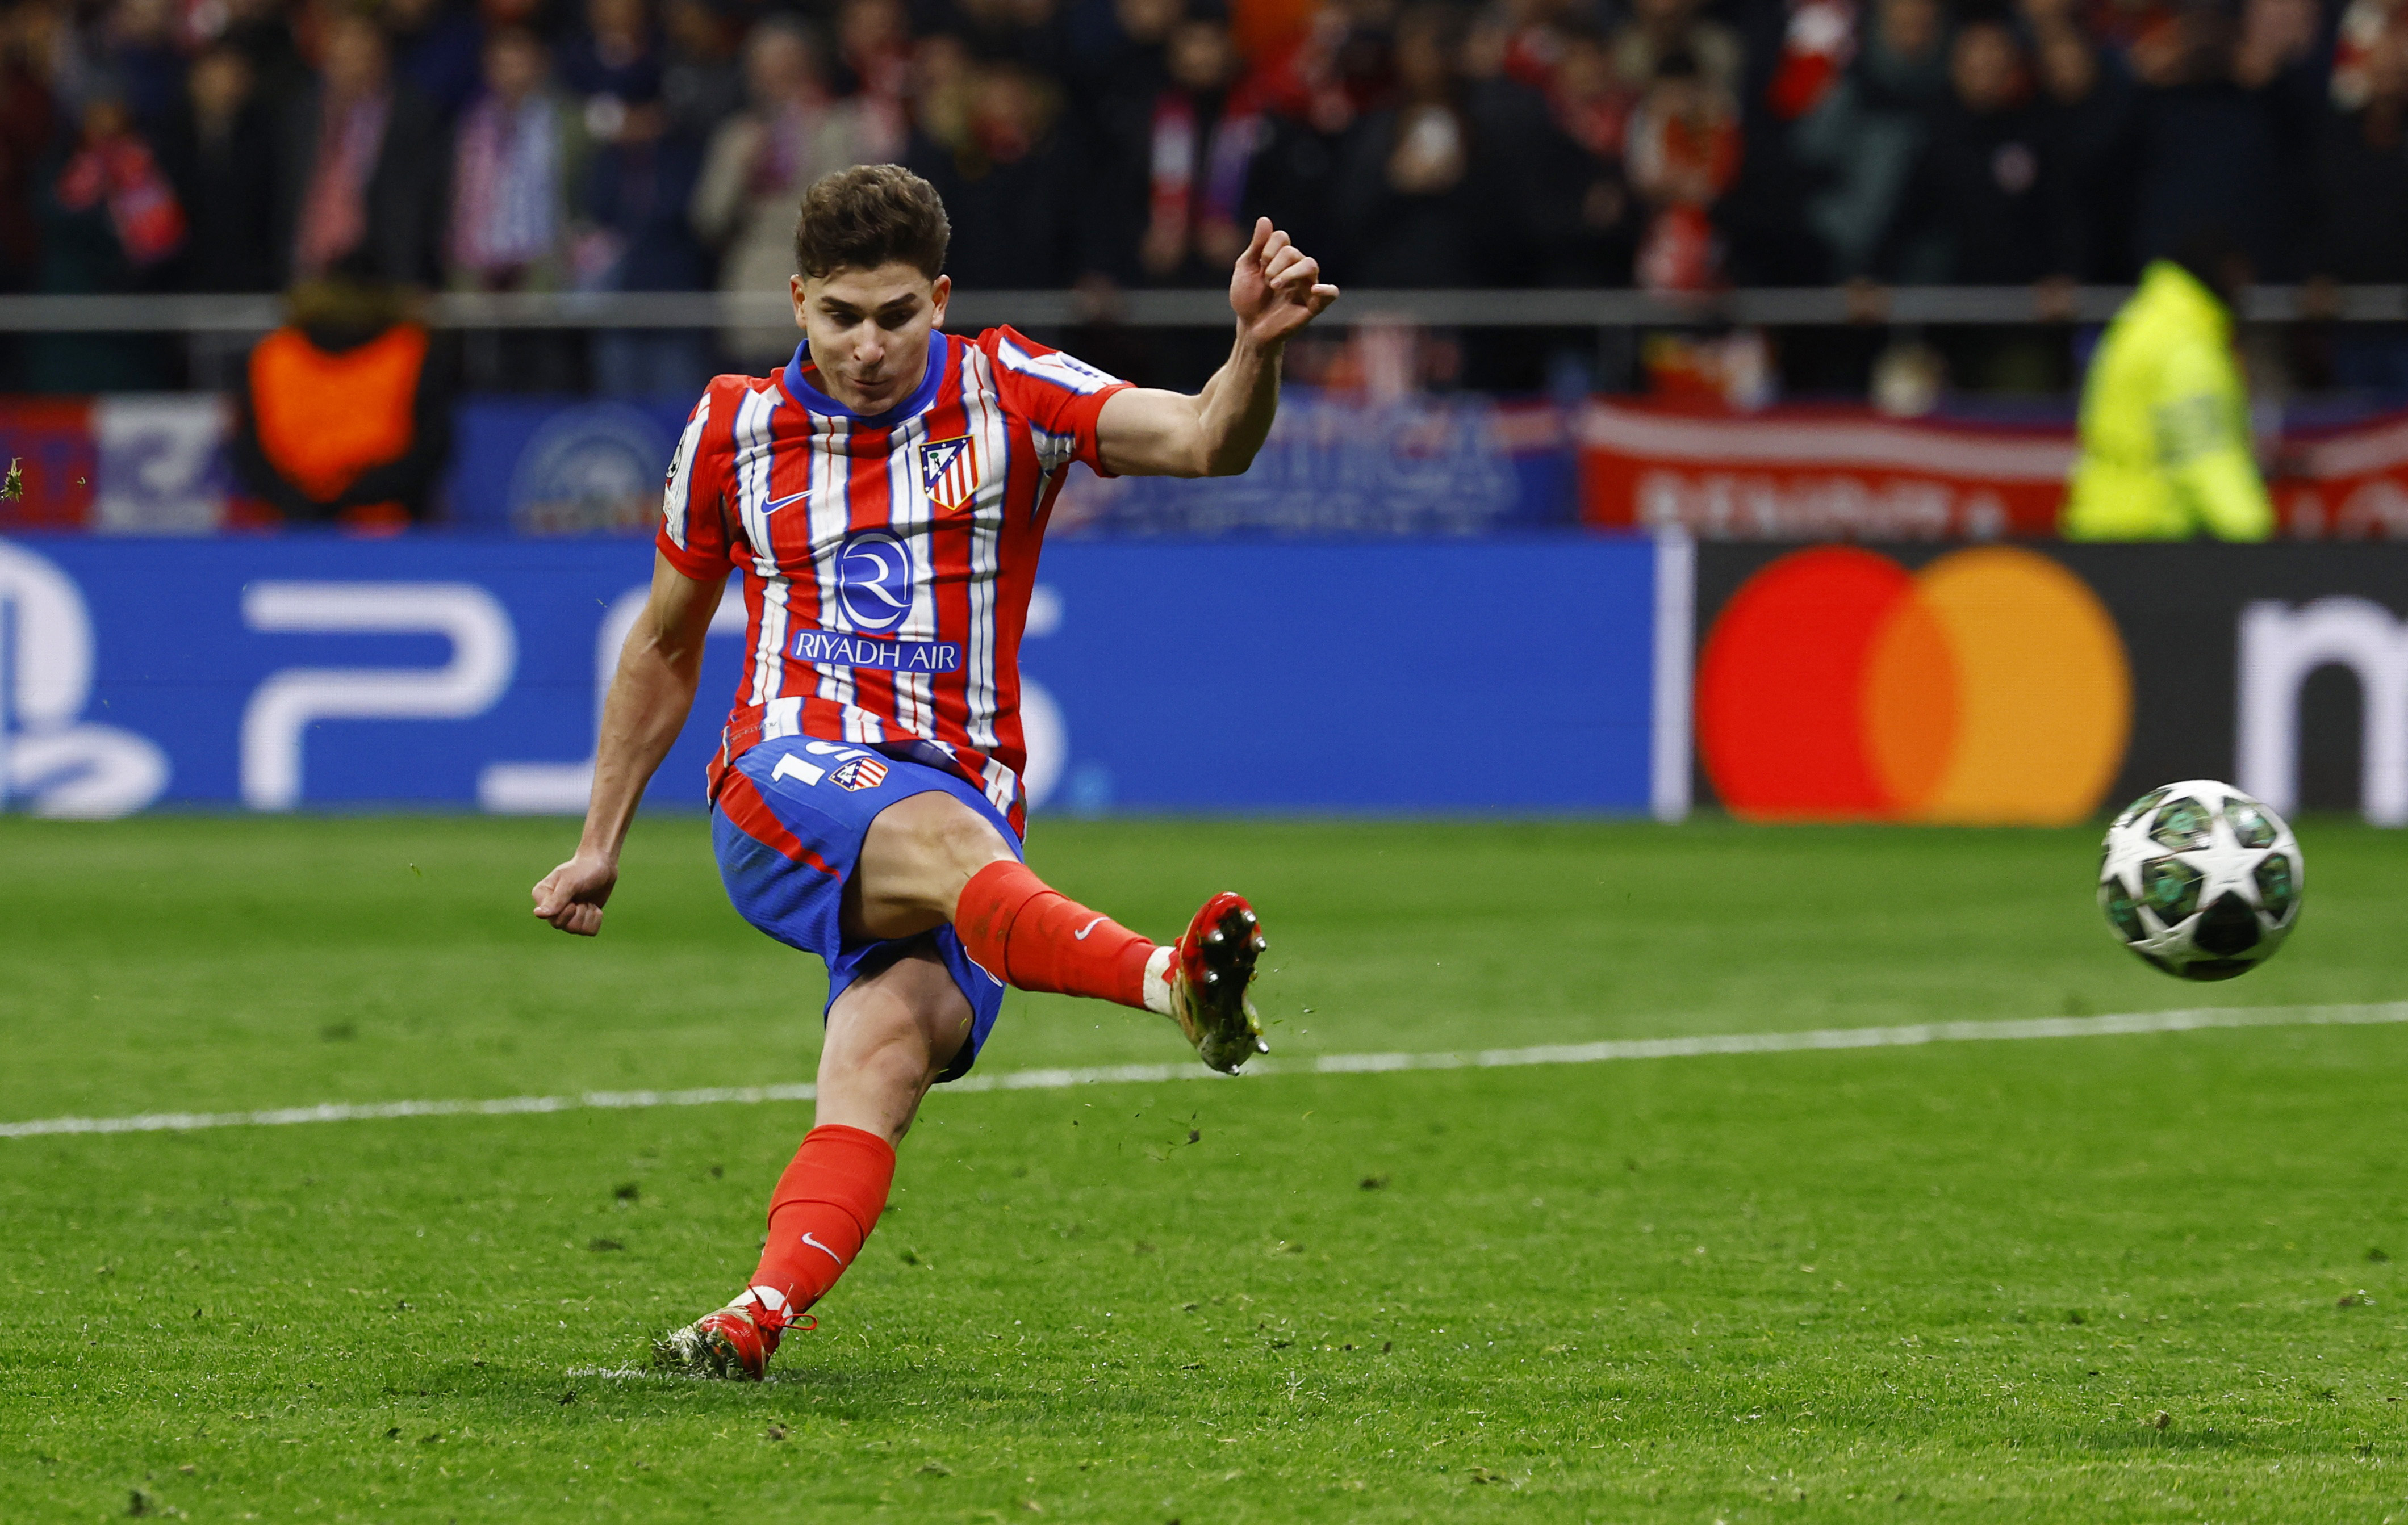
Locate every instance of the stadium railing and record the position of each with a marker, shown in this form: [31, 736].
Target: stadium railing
[1797, 307]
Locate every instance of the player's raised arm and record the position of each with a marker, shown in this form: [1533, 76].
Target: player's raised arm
[649, 698]
[1275, 290]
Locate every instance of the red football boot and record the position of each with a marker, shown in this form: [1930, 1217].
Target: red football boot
[734, 1343]
[1211, 966]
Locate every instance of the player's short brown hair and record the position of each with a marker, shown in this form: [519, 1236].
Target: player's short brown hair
[868, 216]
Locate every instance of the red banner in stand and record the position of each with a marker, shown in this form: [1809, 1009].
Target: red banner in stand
[1816, 473]
[2345, 483]
[1843, 473]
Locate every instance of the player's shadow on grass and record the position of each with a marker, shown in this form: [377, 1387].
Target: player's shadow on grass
[1132, 1393]
[936, 1383]
[2139, 1438]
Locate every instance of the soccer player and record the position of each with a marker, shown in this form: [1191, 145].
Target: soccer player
[886, 497]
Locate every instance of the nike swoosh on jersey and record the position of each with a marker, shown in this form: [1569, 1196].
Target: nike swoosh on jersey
[823, 1249]
[775, 504]
[1082, 932]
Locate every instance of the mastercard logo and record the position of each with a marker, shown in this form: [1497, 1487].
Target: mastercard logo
[1989, 688]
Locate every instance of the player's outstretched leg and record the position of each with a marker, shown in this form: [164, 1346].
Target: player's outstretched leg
[1033, 937]
[890, 1035]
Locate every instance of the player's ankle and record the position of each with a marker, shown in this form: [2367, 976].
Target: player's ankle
[767, 1308]
[1158, 982]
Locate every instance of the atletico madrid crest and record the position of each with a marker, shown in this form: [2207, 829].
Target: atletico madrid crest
[861, 773]
[949, 470]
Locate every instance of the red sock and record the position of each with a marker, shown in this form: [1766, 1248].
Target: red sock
[825, 1206]
[1036, 938]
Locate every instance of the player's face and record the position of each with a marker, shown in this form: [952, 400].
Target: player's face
[869, 331]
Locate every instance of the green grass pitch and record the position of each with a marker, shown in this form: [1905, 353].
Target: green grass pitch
[2104, 1280]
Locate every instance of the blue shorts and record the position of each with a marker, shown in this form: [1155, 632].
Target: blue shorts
[788, 822]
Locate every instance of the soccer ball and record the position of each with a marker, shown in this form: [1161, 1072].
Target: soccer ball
[2201, 879]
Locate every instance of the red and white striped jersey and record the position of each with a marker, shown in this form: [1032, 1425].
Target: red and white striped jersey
[887, 561]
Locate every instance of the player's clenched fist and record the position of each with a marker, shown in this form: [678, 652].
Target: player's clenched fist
[1276, 288]
[572, 895]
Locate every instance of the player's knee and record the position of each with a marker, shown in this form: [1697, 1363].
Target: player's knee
[878, 1045]
[900, 1066]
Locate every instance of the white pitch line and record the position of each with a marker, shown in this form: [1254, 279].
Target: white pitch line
[1913, 1035]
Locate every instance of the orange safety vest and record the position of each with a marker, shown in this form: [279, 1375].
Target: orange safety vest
[324, 419]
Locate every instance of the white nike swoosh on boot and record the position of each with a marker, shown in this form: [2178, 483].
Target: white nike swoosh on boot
[824, 1249]
[1082, 934]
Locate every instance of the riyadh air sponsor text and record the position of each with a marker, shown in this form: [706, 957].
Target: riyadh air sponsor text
[835, 648]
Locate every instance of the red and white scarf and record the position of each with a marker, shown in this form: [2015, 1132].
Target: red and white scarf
[334, 211]
[502, 214]
[1178, 209]
[142, 207]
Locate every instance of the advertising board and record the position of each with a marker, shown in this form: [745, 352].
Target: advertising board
[547, 466]
[2046, 683]
[311, 672]
[2009, 683]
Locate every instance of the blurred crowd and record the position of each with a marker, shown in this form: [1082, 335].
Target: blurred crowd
[655, 145]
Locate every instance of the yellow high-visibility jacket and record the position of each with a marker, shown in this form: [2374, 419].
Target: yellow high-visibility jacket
[2165, 424]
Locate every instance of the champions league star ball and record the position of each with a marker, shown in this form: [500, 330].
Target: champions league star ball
[2201, 879]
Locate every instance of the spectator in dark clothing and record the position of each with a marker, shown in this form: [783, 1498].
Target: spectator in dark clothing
[1310, 93]
[222, 160]
[1116, 79]
[2281, 62]
[2360, 233]
[1006, 180]
[2089, 102]
[2361, 180]
[1097, 35]
[614, 56]
[2219, 123]
[1583, 204]
[638, 187]
[1292, 177]
[28, 122]
[1410, 196]
[113, 220]
[437, 48]
[110, 222]
[2205, 153]
[364, 167]
[345, 413]
[1987, 205]
[138, 47]
[1868, 132]
[1026, 32]
[261, 30]
[701, 82]
[1517, 140]
[639, 184]
[1180, 183]
[1114, 48]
